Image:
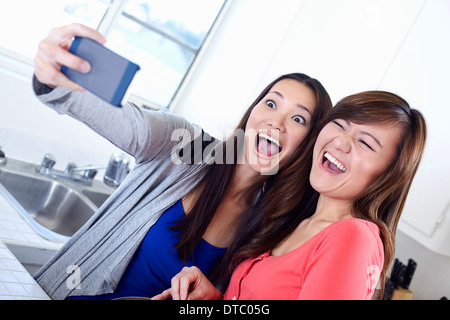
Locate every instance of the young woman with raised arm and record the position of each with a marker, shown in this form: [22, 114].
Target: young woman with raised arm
[188, 192]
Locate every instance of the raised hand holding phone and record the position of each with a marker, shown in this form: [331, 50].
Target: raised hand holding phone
[74, 57]
[110, 74]
[53, 53]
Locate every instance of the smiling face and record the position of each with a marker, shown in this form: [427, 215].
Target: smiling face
[277, 125]
[348, 157]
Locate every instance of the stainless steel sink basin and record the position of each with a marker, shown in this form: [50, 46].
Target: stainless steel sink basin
[55, 209]
[96, 197]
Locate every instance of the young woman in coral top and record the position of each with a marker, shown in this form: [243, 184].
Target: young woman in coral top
[336, 243]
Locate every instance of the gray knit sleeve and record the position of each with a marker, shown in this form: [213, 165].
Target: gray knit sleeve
[144, 134]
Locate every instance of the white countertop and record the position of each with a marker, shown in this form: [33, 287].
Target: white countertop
[15, 281]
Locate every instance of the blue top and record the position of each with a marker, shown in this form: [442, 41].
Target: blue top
[156, 262]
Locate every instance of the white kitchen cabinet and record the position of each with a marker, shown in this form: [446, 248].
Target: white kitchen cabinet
[420, 73]
[348, 45]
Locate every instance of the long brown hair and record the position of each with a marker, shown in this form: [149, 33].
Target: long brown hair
[214, 185]
[381, 203]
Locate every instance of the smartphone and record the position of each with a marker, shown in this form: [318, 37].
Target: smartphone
[110, 75]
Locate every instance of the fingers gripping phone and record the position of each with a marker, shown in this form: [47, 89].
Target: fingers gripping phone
[110, 74]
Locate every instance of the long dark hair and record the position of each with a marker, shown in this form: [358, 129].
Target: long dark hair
[214, 185]
[381, 203]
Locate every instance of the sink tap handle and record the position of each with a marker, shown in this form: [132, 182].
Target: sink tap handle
[117, 169]
[90, 174]
[69, 168]
[2, 156]
[48, 162]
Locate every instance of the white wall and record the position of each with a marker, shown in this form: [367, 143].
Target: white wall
[28, 130]
[349, 45]
[237, 57]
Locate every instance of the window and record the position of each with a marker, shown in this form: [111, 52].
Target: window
[29, 21]
[163, 36]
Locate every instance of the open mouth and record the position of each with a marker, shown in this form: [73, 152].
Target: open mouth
[267, 145]
[332, 164]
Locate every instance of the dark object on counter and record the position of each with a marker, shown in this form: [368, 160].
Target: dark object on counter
[398, 273]
[388, 290]
[410, 268]
[400, 278]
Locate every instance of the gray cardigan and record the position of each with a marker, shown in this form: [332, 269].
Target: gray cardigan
[102, 248]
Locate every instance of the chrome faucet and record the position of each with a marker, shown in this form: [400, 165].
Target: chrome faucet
[2, 157]
[116, 170]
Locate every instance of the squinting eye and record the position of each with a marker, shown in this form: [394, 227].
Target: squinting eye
[338, 124]
[299, 119]
[271, 104]
[366, 144]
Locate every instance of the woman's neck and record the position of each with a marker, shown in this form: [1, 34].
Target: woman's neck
[245, 185]
[239, 197]
[331, 209]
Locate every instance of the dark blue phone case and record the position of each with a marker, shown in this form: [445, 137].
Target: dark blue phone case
[110, 74]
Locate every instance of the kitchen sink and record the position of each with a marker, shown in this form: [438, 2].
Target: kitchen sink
[54, 209]
[96, 197]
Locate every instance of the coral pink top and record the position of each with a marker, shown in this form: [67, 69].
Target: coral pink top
[342, 261]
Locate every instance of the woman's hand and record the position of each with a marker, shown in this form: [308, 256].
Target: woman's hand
[190, 284]
[53, 52]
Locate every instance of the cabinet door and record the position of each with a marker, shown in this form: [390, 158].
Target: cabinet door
[347, 45]
[420, 72]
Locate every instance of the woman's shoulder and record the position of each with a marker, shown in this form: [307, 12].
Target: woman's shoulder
[350, 240]
[355, 231]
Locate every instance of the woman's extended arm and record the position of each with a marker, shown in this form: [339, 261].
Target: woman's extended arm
[142, 133]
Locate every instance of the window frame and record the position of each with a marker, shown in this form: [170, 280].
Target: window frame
[112, 19]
